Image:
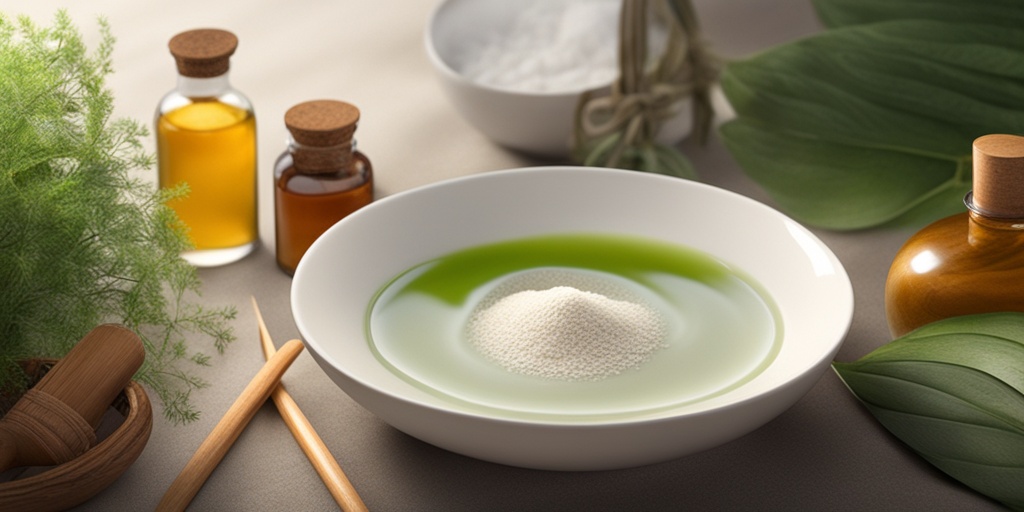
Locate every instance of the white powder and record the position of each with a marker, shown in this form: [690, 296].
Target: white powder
[537, 326]
[551, 46]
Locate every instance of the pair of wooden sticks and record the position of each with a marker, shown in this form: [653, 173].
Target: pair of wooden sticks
[266, 384]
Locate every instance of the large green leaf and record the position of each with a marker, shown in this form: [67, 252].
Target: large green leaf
[954, 392]
[837, 13]
[863, 125]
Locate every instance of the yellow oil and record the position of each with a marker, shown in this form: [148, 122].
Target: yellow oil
[211, 146]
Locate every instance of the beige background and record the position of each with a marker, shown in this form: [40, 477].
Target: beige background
[825, 453]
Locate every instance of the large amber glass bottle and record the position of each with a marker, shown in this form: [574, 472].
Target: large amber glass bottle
[320, 179]
[972, 262]
[206, 139]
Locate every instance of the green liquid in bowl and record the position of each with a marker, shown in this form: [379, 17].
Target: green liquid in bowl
[723, 329]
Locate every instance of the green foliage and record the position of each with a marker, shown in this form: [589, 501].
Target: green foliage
[840, 13]
[82, 241]
[953, 391]
[872, 122]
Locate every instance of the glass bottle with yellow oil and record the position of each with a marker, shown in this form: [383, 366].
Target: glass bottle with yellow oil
[206, 139]
[972, 262]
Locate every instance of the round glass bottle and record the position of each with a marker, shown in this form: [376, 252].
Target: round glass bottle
[971, 262]
[206, 139]
[320, 179]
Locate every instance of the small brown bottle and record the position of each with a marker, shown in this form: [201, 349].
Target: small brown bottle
[972, 262]
[320, 179]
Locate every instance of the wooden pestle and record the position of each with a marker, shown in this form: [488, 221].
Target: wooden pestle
[56, 420]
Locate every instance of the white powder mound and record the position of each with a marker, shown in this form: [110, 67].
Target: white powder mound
[562, 332]
[552, 46]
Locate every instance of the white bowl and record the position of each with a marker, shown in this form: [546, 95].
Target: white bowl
[338, 278]
[539, 123]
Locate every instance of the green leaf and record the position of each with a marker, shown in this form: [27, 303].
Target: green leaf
[861, 126]
[953, 391]
[837, 13]
[840, 186]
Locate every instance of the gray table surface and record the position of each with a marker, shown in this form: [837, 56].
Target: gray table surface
[825, 453]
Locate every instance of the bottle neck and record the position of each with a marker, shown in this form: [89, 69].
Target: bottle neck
[321, 159]
[203, 87]
[985, 227]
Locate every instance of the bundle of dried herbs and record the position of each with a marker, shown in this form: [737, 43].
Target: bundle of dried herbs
[620, 129]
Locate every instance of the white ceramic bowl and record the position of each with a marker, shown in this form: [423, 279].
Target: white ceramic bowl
[337, 280]
[539, 123]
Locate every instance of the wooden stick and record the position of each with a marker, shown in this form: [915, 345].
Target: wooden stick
[217, 444]
[324, 463]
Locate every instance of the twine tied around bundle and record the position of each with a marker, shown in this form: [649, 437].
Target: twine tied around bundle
[619, 130]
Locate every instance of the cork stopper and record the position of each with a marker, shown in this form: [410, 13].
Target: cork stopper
[322, 122]
[322, 130]
[203, 53]
[999, 176]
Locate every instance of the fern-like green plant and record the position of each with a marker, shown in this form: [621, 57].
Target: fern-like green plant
[83, 239]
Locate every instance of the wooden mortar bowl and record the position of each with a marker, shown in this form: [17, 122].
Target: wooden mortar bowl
[72, 483]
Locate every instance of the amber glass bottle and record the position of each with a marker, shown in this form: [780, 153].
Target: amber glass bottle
[972, 262]
[206, 138]
[320, 179]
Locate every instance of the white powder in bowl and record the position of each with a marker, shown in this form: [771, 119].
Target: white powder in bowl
[551, 46]
[535, 325]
